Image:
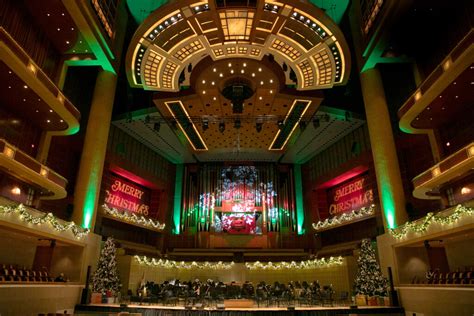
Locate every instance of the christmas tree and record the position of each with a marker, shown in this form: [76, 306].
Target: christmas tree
[106, 277]
[369, 280]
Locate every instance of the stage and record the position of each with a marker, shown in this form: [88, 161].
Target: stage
[161, 310]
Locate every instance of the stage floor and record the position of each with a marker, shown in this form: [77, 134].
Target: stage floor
[152, 310]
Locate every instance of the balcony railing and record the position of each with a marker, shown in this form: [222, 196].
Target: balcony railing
[446, 170]
[26, 167]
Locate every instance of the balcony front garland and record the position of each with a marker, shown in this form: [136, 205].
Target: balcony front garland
[344, 218]
[133, 218]
[27, 217]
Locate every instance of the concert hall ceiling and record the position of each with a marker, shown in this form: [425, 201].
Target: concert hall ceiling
[238, 80]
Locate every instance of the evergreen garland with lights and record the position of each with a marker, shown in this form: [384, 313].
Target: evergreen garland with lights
[106, 277]
[369, 279]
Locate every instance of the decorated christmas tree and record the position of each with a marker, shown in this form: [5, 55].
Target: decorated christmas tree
[369, 280]
[105, 278]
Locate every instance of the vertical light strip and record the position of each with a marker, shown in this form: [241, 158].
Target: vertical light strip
[178, 191]
[299, 199]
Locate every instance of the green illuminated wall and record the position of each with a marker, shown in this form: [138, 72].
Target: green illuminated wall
[178, 191]
[299, 199]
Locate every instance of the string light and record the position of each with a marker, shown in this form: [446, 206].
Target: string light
[422, 225]
[307, 264]
[133, 218]
[171, 264]
[29, 218]
[344, 218]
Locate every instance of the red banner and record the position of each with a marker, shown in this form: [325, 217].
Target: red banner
[127, 196]
[350, 195]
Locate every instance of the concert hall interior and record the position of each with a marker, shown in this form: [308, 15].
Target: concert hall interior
[165, 157]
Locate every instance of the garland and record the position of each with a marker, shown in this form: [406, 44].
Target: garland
[29, 218]
[344, 218]
[133, 218]
[430, 218]
[171, 264]
[308, 264]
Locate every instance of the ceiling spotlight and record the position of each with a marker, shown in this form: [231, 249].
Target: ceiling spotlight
[302, 125]
[245, 64]
[222, 127]
[258, 126]
[280, 124]
[237, 123]
[205, 125]
[157, 126]
[253, 74]
[230, 65]
[316, 123]
[347, 116]
[213, 83]
[259, 69]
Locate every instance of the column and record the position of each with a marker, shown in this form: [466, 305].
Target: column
[89, 177]
[389, 182]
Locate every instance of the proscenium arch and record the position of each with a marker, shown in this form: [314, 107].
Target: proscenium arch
[184, 32]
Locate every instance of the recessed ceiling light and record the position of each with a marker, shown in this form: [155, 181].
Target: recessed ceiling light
[260, 98]
[61, 121]
[214, 69]
[204, 81]
[271, 91]
[214, 98]
[245, 64]
[72, 29]
[47, 14]
[221, 75]
[59, 29]
[253, 74]
[261, 82]
[213, 83]
[62, 14]
[204, 92]
[454, 82]
[24, 100]
[259, 69]
[37, 111]
[50, 111]
[232, 71]
[242, 71]
[25, 86]
[10, 72]
[271, 80]
[456, 96]
[48, 121]
[67, 42]
[229, 64]
[9, 87]
[80, 42]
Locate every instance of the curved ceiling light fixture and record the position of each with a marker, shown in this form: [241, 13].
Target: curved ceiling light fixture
[297, 34]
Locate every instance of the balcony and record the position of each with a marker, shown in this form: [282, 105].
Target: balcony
[15, 162]
[55, 112]
[443, 94]
[443, 172]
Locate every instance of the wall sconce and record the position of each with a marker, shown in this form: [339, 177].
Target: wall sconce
[16, 190]
[44, 172]
[9, 152]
